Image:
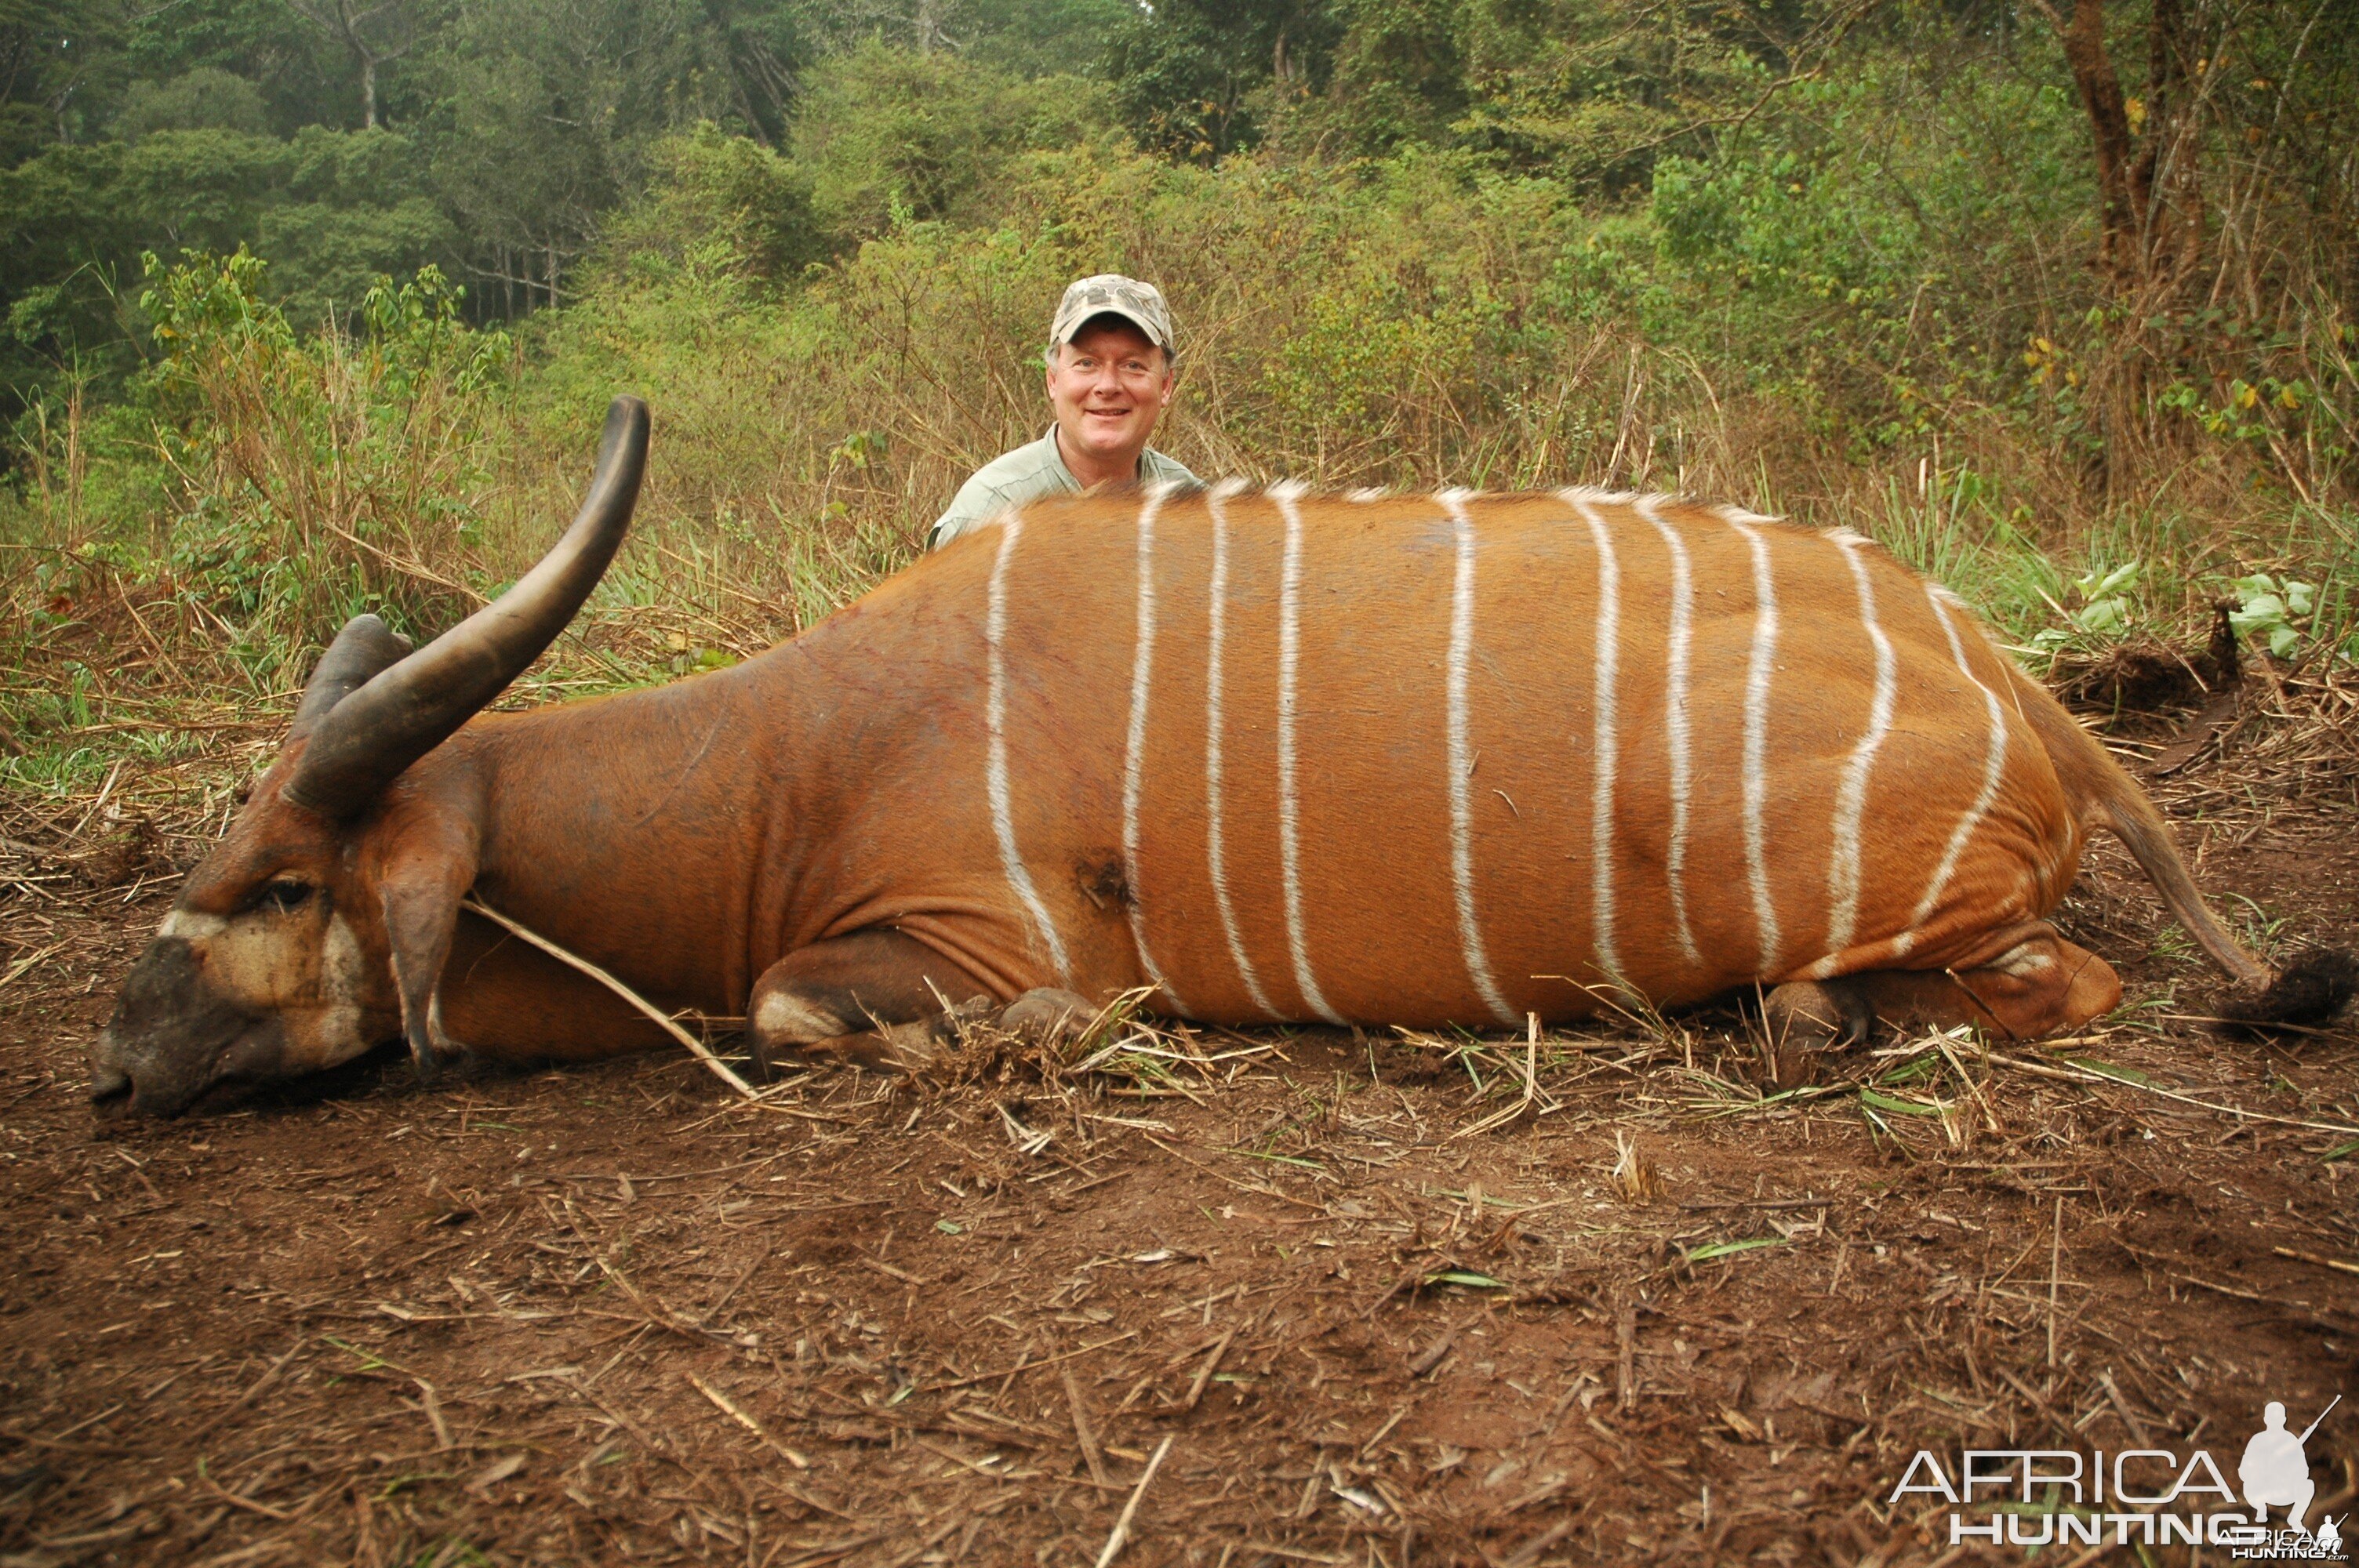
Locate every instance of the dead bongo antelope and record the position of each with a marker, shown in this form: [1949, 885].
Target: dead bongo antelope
[1418, 759]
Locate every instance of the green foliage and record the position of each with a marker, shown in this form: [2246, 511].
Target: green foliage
[719, 197]
[333, 210]
[2272, 609]
[537, 138]
[1196, 78]
[2104, 614]
[884, 133]
[312, 478]
[204, 99]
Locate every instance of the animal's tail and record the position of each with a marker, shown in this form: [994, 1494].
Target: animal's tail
[2310, 990]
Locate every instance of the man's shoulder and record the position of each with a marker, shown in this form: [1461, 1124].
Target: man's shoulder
[1156, 467]
[1019, 468]
[1009, 480]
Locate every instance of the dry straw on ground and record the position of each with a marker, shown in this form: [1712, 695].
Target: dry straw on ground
[1606, 1294]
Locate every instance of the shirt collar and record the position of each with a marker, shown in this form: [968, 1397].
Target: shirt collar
[1056, 456]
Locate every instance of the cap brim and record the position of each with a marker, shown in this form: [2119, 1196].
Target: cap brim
[1146, 329]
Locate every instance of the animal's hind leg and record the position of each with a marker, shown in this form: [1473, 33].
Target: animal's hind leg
[874, 999]
[2024, 982]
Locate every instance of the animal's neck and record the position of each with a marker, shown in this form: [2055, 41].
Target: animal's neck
[652, 833]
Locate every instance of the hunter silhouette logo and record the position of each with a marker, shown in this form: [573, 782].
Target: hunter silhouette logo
[2142, 1497]
[2275, 1469]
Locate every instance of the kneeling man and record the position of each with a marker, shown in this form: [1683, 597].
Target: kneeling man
[1111, 375]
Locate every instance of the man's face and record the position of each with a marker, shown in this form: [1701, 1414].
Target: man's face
[1108, 385]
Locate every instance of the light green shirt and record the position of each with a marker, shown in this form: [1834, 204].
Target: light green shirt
[1028, 473]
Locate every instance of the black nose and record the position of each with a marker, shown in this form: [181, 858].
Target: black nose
[109, 1091]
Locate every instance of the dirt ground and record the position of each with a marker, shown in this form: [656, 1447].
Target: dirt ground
[1293, 1298]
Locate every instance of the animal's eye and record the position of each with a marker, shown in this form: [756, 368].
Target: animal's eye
[283, 895]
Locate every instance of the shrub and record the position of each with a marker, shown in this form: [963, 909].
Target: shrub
[314, 477]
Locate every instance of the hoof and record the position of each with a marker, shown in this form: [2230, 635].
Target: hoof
[1806, 1022]
[426, 1064]
[1047, 1017]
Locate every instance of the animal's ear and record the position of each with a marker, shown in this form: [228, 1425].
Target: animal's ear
[364, 649]
[419, 888]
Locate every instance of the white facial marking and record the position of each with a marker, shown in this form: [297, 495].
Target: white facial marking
[1462, 805]
[1675, 719]
[190, 927]
[1604, 750]
[1142, 670]
[1850, 796]
[1216, 646]
[1003, 818]
[1289, 830]
[343, 981]
[1757, 671]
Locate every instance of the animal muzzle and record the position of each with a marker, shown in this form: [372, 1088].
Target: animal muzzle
[174, 1040]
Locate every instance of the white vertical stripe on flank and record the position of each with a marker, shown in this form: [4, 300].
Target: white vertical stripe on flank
[1142, 672]
[1462, 805]
[1003, 820]
[1757, 671]
[1993, 769]
[1216, 639]
[1289, 827]
[1675, 719]
[1850, 796]
[1606, 748]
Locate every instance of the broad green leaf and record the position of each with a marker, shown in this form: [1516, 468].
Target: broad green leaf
[2121, 577]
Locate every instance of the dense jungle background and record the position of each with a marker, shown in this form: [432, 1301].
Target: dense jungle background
[311, 305]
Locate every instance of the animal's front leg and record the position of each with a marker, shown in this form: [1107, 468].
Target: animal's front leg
[874, 999]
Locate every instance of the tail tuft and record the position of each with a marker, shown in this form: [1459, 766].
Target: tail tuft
[2307, 992]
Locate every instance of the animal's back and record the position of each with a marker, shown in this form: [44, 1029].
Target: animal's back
[1429, 759]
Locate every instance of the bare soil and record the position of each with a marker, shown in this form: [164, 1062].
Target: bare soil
[1658, 1313]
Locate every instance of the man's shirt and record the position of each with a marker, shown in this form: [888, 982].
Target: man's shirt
[1028, 473]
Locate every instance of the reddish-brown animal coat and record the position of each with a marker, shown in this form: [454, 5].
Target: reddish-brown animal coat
[1065, 887]
[1105, 649]
[1414, 761]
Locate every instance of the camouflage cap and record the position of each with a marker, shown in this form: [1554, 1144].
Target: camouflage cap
[1111, 294]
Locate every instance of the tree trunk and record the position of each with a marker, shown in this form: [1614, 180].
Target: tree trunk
[2175, 196]
[368, 88]
[2124, 179]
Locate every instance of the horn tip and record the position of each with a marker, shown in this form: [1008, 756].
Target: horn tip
[625, 434]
